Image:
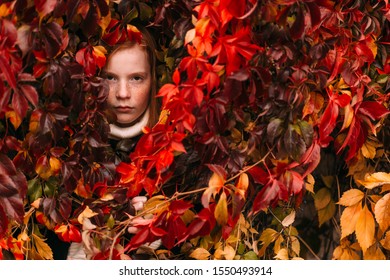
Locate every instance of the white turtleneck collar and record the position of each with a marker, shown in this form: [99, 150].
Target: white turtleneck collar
[118, 132]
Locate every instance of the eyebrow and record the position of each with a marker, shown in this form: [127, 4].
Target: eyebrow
[105, 73]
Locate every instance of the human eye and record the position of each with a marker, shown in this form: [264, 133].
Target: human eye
[110, 77]
[137, 78]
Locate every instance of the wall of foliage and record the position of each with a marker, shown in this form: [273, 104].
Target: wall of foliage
[273, 143]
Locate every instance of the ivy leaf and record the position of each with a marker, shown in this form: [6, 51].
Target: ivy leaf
[289, 219]
[221, 211]
[351, 197]
[326, 213]
[365, 229]
[45, 7]
[200, 254]
[382, 212]
[216, 182]
[375, 180]
[374, 253]
[42, 248]
[13, 188]
[349, 219]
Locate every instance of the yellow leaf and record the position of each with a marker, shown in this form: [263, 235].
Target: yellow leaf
[295, 245]
[282, 254]
[221, 211]
[365, 229]
[349, 114]
[382, 212]
[190, 36]
[351, 197]
[42, 248]
[325, 214]
[349, 218]
[268, 236]
[156, 204]
[200, 254]
[374, 253]
[375, 180]
[309, 184]
[289, 219]
[87, 213]
[229, 253]
[385, 242]
[278, 244]
[369, 148]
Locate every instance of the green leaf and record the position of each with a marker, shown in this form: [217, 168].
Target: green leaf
[250, 256]
[34, 189]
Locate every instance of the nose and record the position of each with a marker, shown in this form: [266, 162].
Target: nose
[123, 90]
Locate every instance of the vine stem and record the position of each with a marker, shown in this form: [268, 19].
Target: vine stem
[178, 194]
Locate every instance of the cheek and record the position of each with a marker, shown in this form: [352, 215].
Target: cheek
[111, 97]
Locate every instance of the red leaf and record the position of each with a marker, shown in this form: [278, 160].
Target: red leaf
[19, 104]
[372, 109]
[178, 207]
[298, 26]
[30, 93]
[3, 225]
[270, 193]
[8, 73]
[45, 7]
[315, 13]
[13, 188]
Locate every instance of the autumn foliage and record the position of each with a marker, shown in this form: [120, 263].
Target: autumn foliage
[272, 142]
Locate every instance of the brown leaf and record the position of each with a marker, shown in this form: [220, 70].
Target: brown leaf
[326, 213]
[322, 198]
[375, 180]
[349, 218]
[365, 229]
[382, 212]
[351, 197]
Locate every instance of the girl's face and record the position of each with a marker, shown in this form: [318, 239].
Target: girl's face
[129, 77]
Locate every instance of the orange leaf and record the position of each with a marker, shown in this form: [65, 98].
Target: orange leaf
[14, 118]
[375, 180]
[385, 242]
[216, 182]
[349, 218]
[242, 184]
[374, 253]
[351, 197]
[221, 211]
[365, 229]
[382, 212]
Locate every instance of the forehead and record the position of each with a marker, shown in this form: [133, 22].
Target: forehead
[132, 57]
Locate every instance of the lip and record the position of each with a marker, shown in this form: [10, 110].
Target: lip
[124, 109]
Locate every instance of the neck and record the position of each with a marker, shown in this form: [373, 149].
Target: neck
[119, 132]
